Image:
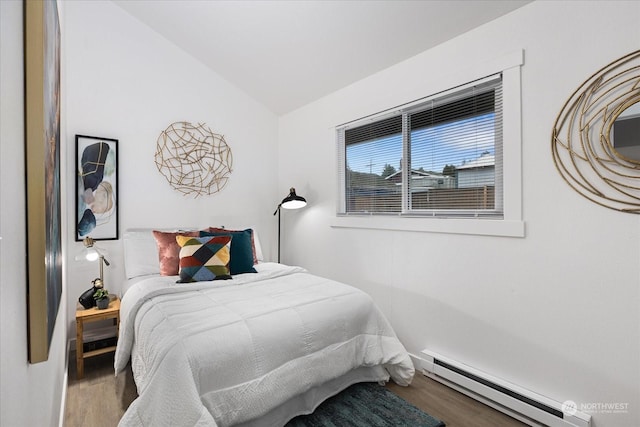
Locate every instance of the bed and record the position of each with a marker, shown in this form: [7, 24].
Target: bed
[255, 350]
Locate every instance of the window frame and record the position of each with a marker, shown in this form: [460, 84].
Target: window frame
[510, 224]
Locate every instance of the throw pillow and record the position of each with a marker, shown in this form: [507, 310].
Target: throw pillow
[241, 249]
[225, 231]
[168, 250]
[204, 258]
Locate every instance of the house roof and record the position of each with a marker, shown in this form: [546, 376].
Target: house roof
[481, 162]
[415, 172]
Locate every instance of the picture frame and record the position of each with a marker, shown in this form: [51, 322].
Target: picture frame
[42, 173]
[96, 188]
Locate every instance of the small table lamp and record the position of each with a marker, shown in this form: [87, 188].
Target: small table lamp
[292, 201]
[93, 253]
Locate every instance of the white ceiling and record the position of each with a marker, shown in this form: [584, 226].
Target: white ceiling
[286, 54]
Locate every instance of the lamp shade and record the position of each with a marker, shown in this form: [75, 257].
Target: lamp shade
[293, 201]
[87, 254]
[90, 252]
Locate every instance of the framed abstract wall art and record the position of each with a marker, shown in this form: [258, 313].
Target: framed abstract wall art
[42, 168]
[96, 188]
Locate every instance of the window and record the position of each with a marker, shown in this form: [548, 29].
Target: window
[440, 156]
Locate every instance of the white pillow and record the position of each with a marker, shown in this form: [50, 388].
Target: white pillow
[256, 243]
[140, 253]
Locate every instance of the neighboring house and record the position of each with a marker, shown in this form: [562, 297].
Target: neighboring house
[477, 173]
[423, 181]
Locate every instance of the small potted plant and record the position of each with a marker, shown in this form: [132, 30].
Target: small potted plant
[102, 298]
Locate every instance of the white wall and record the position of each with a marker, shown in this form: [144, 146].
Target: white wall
[125, 81]
[30, 395]
[557, 311]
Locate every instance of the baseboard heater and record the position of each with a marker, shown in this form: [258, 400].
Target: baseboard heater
[524, 405]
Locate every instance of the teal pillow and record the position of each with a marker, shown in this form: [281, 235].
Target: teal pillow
[241, 249]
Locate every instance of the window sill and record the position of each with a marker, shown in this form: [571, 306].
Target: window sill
[481, 227]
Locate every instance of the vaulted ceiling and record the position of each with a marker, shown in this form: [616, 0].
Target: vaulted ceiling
[286, 54]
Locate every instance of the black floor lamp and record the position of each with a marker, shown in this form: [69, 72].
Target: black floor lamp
[292, 201]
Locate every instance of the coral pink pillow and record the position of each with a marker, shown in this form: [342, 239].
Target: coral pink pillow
[169, 250]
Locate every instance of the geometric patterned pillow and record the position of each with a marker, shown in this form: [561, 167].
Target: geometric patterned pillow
[204, 258]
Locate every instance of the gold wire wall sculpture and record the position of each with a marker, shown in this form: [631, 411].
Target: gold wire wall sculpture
[585, 150]
[194, 160]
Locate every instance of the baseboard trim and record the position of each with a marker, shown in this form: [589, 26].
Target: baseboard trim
[65, 385]
[419, 363]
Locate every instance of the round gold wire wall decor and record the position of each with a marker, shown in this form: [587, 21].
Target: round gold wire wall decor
[194, 160]
[583, 142]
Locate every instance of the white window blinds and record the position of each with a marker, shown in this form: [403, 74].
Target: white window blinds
[440, 156]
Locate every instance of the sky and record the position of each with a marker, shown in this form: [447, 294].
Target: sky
[431, 148]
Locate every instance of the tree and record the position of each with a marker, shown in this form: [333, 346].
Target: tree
[449, 170]
[388, 170]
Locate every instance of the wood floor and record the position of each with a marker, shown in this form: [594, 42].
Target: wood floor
[100, 398]
[450, 406]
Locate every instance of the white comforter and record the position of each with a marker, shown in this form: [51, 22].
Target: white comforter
[227, 352]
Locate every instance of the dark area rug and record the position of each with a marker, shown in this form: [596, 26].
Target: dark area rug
[366, 405]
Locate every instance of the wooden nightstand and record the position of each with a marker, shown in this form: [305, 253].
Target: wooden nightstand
[92, 315]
